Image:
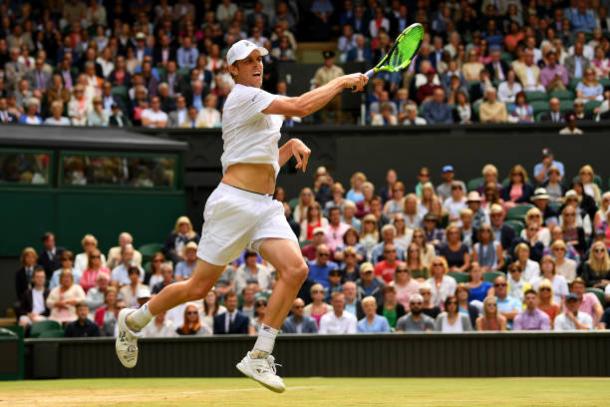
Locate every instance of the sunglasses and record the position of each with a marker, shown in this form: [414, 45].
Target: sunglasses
[157, 260]
[416, 303]
[452, 302]
[261, 304]
[500, 285]
[317, 292]
[426, 293]
[94, 257]
[389, 251]
[401, 270]
[599, 250]
[545, 289]
[298, 306]
[323, 254]
[192, 313]
[492, 305]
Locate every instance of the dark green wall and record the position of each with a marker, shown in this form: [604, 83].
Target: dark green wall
[71, 213]
[392, 355]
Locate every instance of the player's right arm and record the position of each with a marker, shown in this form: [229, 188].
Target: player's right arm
[316, 99]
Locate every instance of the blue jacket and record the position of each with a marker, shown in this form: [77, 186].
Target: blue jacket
[239, 326]
[309, 326]
[437, 113]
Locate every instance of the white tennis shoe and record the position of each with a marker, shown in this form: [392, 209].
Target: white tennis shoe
[263, 371]
[126, 344]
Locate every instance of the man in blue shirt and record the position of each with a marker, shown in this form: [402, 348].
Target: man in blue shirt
[185, 268]
[321, 266]
[367, 284]
[507, 305]
[437, 111]
[581, 18]
[541, 169]
[187, 54]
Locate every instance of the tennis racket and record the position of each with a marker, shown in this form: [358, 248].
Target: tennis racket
[402, 52]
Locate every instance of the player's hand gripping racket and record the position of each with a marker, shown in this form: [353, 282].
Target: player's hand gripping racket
[402, 52]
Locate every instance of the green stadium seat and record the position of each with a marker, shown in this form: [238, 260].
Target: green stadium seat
[43, 326]
[591, 105]
[120, 92]
[293, 203]
[184, 72]
[518, 212]
[538, 116]
[507, 57]
[563, 94]
[604, 82]
[55, 333]
[459, 276]
[536, 96]
[573, 83]
[161, 71]
[148, 250]
[540, 106]
[490, 276]
[475, 183]
[555, 206]
[599, 293]
[516, 225]
[566, 105]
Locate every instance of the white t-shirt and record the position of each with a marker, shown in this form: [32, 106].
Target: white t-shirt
[331, 324]
[563, 323]
[154, 116]
[249, 135]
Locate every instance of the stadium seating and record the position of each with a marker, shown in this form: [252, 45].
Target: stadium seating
[54, 333]
[459, 276]
[516, 224]
[536, 96]
[148, 250]
[490, 276]
[562, 94]
[43, 326]
[475, 183]
[518, 212]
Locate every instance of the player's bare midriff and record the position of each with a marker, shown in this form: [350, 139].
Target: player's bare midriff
[259, 178]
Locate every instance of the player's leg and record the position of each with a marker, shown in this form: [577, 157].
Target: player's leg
[132, 321]
[285, 256]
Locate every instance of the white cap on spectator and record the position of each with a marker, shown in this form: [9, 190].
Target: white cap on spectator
[241, 49]
[143, 292]
[318, 230]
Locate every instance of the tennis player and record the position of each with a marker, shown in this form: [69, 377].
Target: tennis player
[241, 212]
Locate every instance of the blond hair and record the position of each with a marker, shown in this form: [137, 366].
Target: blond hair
[598, 267]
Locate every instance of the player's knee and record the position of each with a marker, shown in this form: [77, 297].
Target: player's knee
[196, 291]
[295, 274]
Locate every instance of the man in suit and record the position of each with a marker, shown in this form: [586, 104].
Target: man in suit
[232, 321]
[172, 78]
[577, 64]
[497, 68]
[164, 52]
[554, 114]
[5, 115]
[117, 119]
[359, 53]
[502, 232]
[178, 116]
[34, 301]
[297, 323]
[49, 256]
[38, 77]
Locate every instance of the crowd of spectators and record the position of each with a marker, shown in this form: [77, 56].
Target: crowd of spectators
[525, 252]
[161, 64]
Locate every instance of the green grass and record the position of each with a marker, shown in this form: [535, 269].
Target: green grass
[311, 392]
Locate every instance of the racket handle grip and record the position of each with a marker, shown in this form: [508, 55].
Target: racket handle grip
[370, 73]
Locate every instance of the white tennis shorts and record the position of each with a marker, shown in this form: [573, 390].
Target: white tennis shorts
[236, 219]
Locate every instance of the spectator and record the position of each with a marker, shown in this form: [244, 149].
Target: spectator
[497, 68]
[564, 266]
[182, 234]
[96, 295]
[360, 52]
[589, 303]
[298, 322]
[385, 269]
[97, 116]
[116, 118]
[553, 76]
[309, 251]
[507, 306]
[83, 327]
[209, 116]
[416, 320]
[508, 90]
[522, 112]
[571, 128]
[249, 271]
[372, 323]
[386, 116]
[554, 114]
[187, 54]
[436, 111]
[57, 118]
[455, 254]
[440, 284]
[5, 115]
[518, 189]
[456, 201]
[367, 284]
[178, 116]
[528, 73]
[89, 277]
[589, 88]
[463, 110]
[185, 268]
[78, 107]
[532, 318]
[388, 233]
[211, 308]
[581, 18]
[33, 306]
[31, 116]
[391, 309]
[338, 321]
[62, 299]
[323, 75]
[445, 189]
[114, 254]
[517, 285]
[452, 321]
[478, 289]
[321, 267]
[472, 68]
[159, 327]
[314, 219]
[350, 269]
[66, 260]
[492, 110]
[572, 319]
[491, 320]
[154, 117]
[600, 63]
[577, 63]
[192, 325]
[233, 321]
[24, 275]
[120, 274]
[335, 230]
[411, 115]
[317, 308]
[89, 244]
[135, 289]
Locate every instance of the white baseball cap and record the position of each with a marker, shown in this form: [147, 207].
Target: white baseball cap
[241, 49]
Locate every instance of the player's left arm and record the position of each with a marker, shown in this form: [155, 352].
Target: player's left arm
[297, 149]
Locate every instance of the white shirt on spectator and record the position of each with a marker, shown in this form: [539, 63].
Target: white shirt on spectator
[38, 306]
[441, 292]
[120, 275]
[507, 93]
[62, 121]
[165, 330]
[154, 116]
[331, 324]
[454, 207]
[81, 262]
[563, 323]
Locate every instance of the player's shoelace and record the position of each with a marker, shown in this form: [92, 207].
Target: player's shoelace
[266, 365]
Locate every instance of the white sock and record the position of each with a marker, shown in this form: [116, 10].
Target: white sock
[264, 342]
[139, 318]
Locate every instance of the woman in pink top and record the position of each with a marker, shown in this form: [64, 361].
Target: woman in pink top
[62, 299]
[94, 268]
[518, 189]
[403, 283]
[318, 307]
